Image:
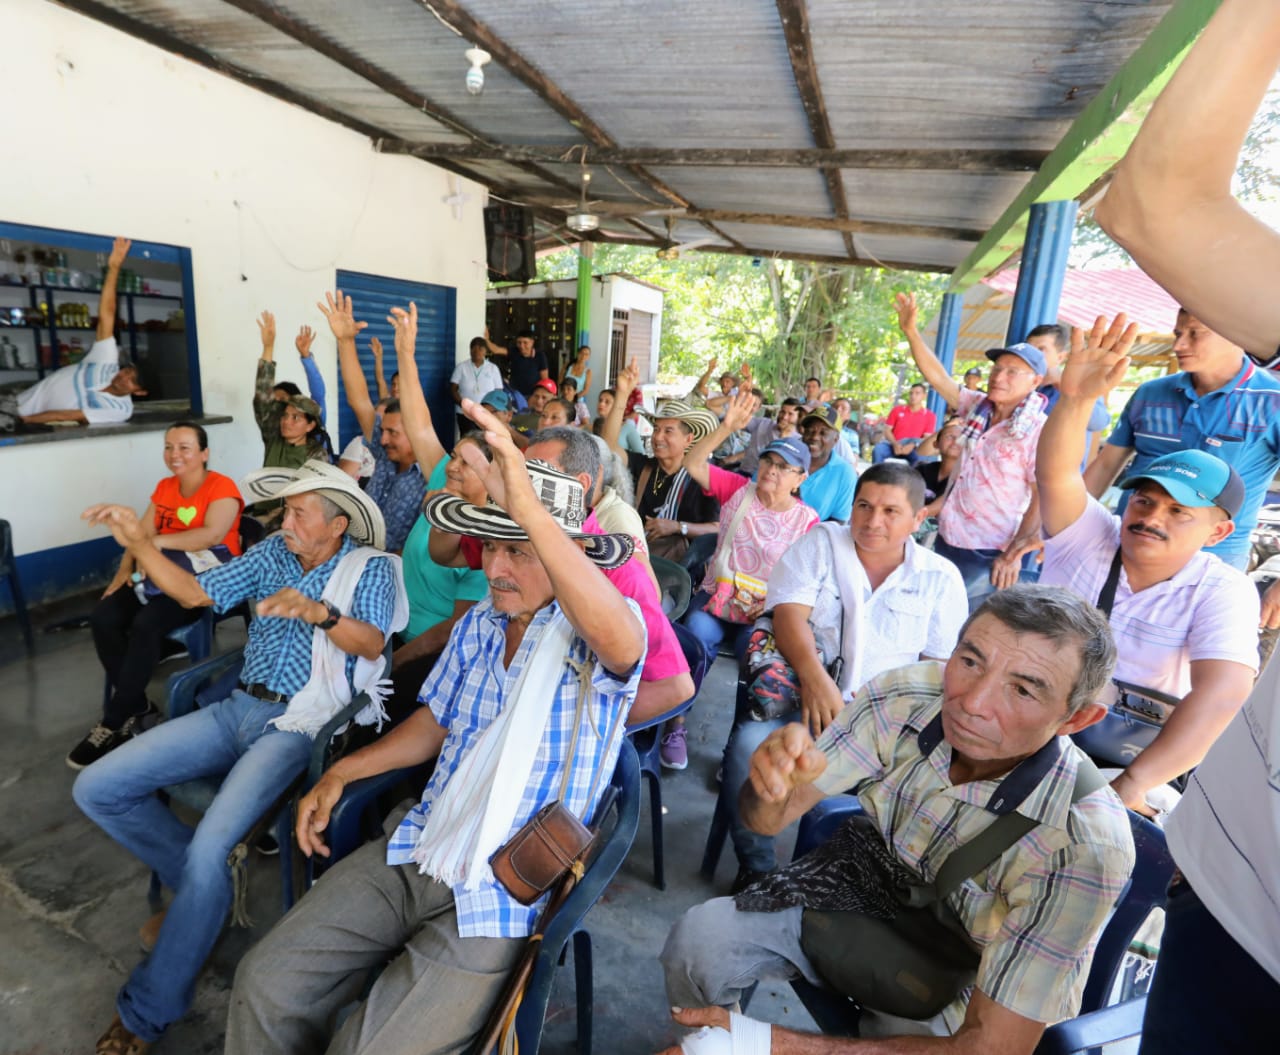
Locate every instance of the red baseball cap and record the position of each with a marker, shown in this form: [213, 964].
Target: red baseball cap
[548, 384]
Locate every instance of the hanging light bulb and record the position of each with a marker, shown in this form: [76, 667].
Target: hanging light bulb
[475, 75]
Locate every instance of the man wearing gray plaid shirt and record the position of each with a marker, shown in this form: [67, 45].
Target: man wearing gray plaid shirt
[932, 752]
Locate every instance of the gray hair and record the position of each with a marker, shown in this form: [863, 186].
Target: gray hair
[1065, 619]
[580, 456]
[617, 477]
[330, 509]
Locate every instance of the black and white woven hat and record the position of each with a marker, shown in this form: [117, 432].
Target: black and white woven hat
[561, 495]
[365, 518]
[702, 423]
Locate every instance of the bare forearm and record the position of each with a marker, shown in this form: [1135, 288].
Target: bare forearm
[931, 367]
[796, 642]
[597, 611]
[1101, 473]
[107, 304]
[416, 740]
[357, 638]
[49, 417]
[711, 527]
[696, 458]
[357, 388]
[193, 539]
[415, 415]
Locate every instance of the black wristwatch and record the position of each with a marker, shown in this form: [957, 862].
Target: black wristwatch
[332, 620]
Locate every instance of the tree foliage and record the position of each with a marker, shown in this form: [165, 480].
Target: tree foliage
[790, 320]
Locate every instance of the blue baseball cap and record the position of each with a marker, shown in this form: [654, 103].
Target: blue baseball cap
[1194, 478]
[1028, 353]
[497, 399]
[791, 449]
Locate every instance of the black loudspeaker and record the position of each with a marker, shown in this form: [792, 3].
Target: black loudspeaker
[508, 243]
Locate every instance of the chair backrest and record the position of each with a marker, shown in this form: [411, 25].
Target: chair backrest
[625, 802]
[675, 584]
[6, 547]
[1152, 870]
[251, 531]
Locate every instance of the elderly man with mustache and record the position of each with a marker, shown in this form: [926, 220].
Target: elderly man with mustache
[1183, 619]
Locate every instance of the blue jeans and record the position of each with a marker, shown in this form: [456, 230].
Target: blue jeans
[884, 449]
[753, 850]
[230, 739]
[974, 566]
[711, 630]
[1208, 994]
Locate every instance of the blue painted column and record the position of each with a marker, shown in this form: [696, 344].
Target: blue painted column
[1043, 267]
[945, 346]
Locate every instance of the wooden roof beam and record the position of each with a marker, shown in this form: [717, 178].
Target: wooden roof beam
[455, 15]
[1098, 139]
[794, 15]
[843, 225]
[674, 157]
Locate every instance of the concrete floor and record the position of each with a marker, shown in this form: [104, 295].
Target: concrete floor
[71, 901]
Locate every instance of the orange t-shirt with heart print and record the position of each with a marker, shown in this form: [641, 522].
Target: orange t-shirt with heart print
[178, 512]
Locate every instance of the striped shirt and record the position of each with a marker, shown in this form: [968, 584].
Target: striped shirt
[1239, 423]
[278, 653]
[466, 692]
[1208, 610]
[1038, 910]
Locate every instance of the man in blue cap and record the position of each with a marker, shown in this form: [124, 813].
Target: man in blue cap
[990, 521]
[1183, 620]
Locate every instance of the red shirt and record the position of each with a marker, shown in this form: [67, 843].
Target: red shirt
[908, 424]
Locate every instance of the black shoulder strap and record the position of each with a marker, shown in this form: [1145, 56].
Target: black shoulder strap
[972, 857]
[1108, 595]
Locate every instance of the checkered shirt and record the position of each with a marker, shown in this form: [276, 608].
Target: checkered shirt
[466, 692]
[1038, 910]
[397, 494]
[278, 653]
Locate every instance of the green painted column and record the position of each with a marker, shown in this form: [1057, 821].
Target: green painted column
[585, 252]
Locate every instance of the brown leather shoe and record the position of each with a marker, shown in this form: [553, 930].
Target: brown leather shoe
[150, 931]
[117, 1040]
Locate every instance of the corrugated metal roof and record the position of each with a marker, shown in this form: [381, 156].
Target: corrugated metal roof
[694, 85]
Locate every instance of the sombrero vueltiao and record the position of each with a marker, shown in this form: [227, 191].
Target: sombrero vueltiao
[365, 518]
[561, 495]
[700, 420]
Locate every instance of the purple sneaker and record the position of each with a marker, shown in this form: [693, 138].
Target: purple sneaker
[674, 752]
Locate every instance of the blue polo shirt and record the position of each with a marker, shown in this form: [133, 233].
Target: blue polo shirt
[830, 489]
[1239, 423]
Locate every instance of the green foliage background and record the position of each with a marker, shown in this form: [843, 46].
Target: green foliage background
[790, 320]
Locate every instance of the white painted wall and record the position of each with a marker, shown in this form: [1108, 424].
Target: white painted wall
[108, 135]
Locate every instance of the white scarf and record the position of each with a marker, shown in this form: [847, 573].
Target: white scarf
[850, 579]
[328, 691]
[465, 825]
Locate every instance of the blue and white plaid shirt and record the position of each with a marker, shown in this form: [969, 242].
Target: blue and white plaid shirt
[278, 654]
[398, 494]
[466, 692]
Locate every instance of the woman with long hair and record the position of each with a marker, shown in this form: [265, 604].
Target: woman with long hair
[194, 511]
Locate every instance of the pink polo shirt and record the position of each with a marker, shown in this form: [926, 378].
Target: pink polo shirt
[908, 424]
[992, 487]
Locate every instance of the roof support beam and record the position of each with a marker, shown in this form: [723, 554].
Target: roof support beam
[845, 225]
[804, 258]
[1098, 139]
[794, 15]
[453, 13]
[808, 157]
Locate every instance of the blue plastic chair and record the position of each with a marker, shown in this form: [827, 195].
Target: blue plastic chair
[214, 680]
[1096, 1025]
[720, 818]
[567, 923]
[646, 737]
[9, 570]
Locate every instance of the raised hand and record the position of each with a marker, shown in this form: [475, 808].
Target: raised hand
[908, 312]
[119, 250]
[267, 328]
[375, 345]
[291, 604]
[337, 309]
[303, 341]
[1099, 360]
[405, 324]
[740, 409]
[122, 521]
[628, 378]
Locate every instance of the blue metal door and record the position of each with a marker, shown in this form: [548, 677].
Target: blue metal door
[372, 298]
